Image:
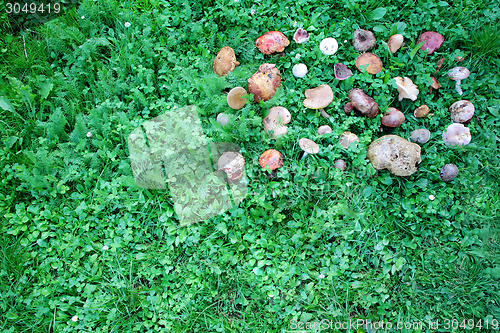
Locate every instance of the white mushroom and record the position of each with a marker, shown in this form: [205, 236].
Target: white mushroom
[329, 46]
[276, 120]
[458, 74]
[406, 88]
[308, 146]
[457, 135]
[299, 70]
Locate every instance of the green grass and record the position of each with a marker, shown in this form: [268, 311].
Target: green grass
[79, 238]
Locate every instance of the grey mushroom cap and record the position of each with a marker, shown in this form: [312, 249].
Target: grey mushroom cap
[459, 73]
[421, 135]
[324, 129]
[449, 172]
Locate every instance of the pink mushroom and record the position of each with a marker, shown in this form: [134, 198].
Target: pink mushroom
[433, 41]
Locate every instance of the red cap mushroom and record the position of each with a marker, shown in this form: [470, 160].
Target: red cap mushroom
[271, 159]
[432, 41]
[271, 42]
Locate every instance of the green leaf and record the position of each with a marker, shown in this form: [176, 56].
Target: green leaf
[45, 89]
[415, 50]
[377, 14]
[5, 104]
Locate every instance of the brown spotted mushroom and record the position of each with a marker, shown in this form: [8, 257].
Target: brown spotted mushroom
[225, 61]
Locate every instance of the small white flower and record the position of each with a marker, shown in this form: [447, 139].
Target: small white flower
[297, 56]
[271, 296]
[89, 134]
[431, 197]
[345, 40]
[294, 23]
[127, 24]
[347, 184]
[321, 276]
[105, 247]
[252, 11]
[83, 16]
[74, 319]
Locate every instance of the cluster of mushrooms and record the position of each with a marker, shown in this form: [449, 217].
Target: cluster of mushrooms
[391, 152]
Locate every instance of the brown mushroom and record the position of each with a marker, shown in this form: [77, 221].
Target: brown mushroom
[421, 111]
[364, 40]
[300, 36]
[225, 61]
[340, 164]
[372, 60]
[393, 118]
[232, 163]
[271, 159]
[363, 103]
[324, 129]
[264, 83]
[319, 97]
[395, 42]
[308, 146]
[235, 98]
[448, 172]
[396, 154]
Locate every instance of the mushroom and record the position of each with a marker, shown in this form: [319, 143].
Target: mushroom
[348, 107]
[272, 41]
[406, 88]
[329, 46]
[340, 164]
[458, 74]
[276, 120]
[347, 138]
[396, 154]
[393, 118]
[235, 98]
[271, 159]
[462, 111]
[435, 84]
[299, 70]
[324, 114]
[225, 61]
[421, 111]
[223, 119]
[432, 41]
[232, 163]
[421, 135]
[308, 146]
[341, 71]
[372, 60]
[364, 40]
[448, 172]
[324, 129]
[439, 64]
[395, 42]
[319, 97]
[300, 36]
[363, 103]
[264, 83]
[457, 135]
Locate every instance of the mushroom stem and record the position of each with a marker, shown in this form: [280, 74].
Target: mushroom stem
[305, 155]
[458, 88]
[324, 114]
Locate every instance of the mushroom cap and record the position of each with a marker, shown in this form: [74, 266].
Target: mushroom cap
[340, 164]
[225, 61]
[347, 138]
[363, 103]
[324, 129]
[458, 73]
[308, 146]
[364, 40]
[341, 71]
[329, 46]
[300, 36]
[396, 154]
[435, 83]
[421, 135]
[395, 42]
[264, 83]
[271, 42]
[271, 158]
[232, 163]
[457, 135]
[432, 41]
[406, 88]
[234, 98]
[223, 119]
[374, 63]
[319, 97]
[462, 111]
[393, 118]
[448, 172]
[276, 120]
[299, 70]
[421, 111]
